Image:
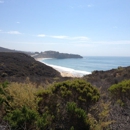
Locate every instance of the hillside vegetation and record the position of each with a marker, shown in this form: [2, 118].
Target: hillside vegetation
[72, 105]
[19, 66]
[107, 78]
[114, 86]
[67, 105]
[34, 96]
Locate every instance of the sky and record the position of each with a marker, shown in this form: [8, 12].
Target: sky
[85, 27]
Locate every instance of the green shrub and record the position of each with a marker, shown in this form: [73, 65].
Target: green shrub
[72, 128]
[68, 102]
[63, 105]
[121, 90]
[77, 116]
[120, 102]
[18, 105]
[3, 95]
[44, 121]
[22, 119]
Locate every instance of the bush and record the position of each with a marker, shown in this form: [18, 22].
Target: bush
[67, 102]
[77, 116]
[65, 105]
[22, 119]
[3, 98]
[120, 91]
[18, 105]
[22, 95]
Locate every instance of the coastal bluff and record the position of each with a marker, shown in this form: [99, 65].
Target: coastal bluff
[55, 54]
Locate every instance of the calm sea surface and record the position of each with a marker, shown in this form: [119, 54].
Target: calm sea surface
[89, 63]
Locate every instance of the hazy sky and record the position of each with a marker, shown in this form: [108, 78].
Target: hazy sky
[86, 27]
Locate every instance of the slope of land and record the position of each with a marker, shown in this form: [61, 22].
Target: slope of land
[2, 49]
[18, 66]
[104, 79]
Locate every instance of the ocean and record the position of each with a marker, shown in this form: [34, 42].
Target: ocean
[88, 64]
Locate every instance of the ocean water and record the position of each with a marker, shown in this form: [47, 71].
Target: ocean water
[88, 64]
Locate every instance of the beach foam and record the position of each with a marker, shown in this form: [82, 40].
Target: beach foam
[64, 71]
[68, 72]
[41, 59]
[86, 65]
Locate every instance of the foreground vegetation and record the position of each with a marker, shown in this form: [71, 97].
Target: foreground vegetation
[69, 105]
[64, 105]
[121, 92]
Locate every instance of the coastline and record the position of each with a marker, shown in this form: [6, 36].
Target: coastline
[40, 59]
[65, 72]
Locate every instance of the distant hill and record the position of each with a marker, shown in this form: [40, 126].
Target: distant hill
[46, 54]
[18, 66]
[6, 50]
[55, 54]
[2, 49]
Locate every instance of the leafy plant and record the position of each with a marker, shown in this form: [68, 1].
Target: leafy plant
[72, 97]
[22, 119]
[3, 98]
[121, 90]
[18, 105]
[77, 117]
[44, 121]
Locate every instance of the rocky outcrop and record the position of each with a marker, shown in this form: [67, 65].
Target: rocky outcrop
[54, 54]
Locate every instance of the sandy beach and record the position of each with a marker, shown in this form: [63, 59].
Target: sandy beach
[67, 73]
[64, 73]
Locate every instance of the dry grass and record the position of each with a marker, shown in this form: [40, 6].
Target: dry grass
[99, 117]
[23, 94]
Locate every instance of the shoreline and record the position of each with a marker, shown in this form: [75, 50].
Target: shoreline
[39, 59]
[65, 72]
